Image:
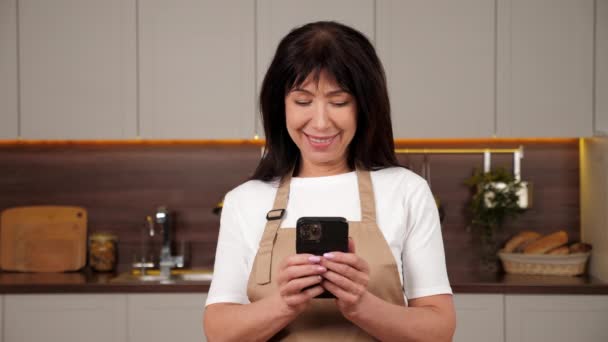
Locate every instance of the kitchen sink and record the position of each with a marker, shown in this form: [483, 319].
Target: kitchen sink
[183, 276]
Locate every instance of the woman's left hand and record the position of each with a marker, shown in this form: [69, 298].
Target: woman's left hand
[347, 277]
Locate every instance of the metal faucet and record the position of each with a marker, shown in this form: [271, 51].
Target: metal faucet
[167, 261]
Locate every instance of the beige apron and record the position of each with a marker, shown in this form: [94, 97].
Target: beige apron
[322, 321]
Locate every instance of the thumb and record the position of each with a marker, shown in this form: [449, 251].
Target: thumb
[351, 245]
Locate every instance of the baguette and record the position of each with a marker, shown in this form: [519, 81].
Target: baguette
[562, 250]
[547, 243]
[519, 239]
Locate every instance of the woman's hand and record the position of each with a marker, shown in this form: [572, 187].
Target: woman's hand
[296, 273]
[347, 278]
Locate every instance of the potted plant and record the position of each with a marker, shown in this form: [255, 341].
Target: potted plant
[495, 199]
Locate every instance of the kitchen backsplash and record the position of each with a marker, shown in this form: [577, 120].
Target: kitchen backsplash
[119, 184]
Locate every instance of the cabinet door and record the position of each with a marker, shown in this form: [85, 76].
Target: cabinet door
[275, 18]
[8, 70]
[479, 317]
[556, 318]
[439, 61]
[1, 318]
[545, 68]
[77, 69]
[196, 69]
[165, 317]
[65, 318]
[601, 68]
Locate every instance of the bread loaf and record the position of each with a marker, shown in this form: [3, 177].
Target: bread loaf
[580, 247]
[547, 243]
[563, 250]
[519, 239]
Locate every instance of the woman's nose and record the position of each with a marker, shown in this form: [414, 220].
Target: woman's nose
[320, 119]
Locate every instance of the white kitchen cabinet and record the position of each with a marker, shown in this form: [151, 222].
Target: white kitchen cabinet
[65, 318]
[439, 61]
[77, 67]
[9, 116]
[165, 317]
[1, 318]
[601, 68]
[479, 317]
[556, 318]
[197, 69]
[275, 18]
[545, 68]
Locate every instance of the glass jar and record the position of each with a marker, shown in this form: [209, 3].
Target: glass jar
[102, 252]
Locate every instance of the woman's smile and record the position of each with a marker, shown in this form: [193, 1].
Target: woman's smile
[320, 142]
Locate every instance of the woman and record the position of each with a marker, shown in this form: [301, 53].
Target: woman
[329, 152]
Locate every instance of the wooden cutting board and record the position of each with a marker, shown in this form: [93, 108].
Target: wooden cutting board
[43, 239]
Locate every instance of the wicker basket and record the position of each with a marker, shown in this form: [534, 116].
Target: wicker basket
[563, 265]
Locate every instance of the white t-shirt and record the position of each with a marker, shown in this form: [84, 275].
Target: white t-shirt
[405, 212]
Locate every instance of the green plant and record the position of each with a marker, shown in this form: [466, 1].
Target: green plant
[495, 199]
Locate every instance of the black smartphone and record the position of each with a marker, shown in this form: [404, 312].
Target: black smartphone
[318, 235]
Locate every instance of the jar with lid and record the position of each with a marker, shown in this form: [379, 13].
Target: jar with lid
[102, 252]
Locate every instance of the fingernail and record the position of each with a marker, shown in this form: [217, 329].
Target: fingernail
[314, 258]
[321, 269]
[328, 255]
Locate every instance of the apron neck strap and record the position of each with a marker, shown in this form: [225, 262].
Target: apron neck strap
[273, 222]
[366, 196]
[280, 200]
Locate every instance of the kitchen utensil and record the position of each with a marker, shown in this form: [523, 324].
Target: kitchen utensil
[43, 238]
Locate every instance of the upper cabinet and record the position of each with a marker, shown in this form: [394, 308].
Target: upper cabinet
[196, 69]
[601, 68]
[545, 68]
[8, 70]
[439, 61]
[192, 69]
[275, 18]
[77, 68]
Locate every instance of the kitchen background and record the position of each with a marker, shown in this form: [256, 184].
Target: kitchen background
[122, 106]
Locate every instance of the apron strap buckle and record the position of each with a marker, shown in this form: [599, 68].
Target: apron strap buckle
[275, 214]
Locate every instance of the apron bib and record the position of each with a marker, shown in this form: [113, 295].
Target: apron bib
[322, 321]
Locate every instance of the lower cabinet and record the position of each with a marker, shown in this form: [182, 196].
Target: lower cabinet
[102, 317]
[479, 317]
[179, 317]
[65, 318]
[166, 317]
[531, 318]
[559, 318]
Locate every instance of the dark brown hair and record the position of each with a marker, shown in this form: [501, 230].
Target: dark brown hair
[347, 56]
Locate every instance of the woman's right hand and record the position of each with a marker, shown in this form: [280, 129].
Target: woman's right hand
[296, 273]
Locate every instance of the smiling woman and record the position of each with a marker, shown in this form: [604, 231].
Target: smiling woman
[329, 75]
[329, 153]
[321, 121]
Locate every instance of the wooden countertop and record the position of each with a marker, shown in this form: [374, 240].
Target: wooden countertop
[526, 284]
[89, 282]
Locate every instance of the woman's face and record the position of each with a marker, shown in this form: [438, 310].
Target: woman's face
[321, 120]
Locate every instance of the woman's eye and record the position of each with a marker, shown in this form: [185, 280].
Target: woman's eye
[303, 103]
[340, 104]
